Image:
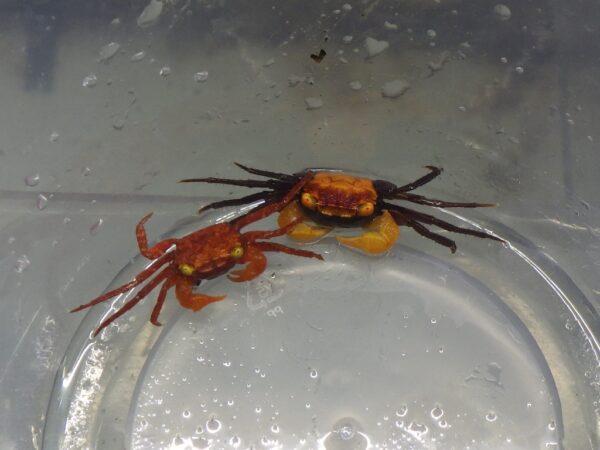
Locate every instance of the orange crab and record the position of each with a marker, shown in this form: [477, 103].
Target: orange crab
[202, 255]
[333, 198]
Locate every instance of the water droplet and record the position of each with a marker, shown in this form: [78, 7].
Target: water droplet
[503, 60]
[441, 350]
[355, 85]
[200, 358]
[402, 411]
[491, 416]
[96, 226]
[568, 325]
[230, 402]
[235, 441]
[431, 34]
[346, 431]
[186, 413]
[227, 363]
[258, 410]
[201, 77]
[436, 413]
[529, 405]
[347, 7]
[275, 428]
[108, 51]
[138, 56]
[165, 71]
[199, 429]
[433, 321]
[307, 406]
[552, 425]
[32, 180]
[11, 240]
[443, 424]
[519, 70]
[313, 373]
[54, 136]
[42, 201]
[86, 171]
[22, 263]
[90, 81]
[213, 426]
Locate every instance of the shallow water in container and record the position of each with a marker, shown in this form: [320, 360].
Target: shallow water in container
[407, 350]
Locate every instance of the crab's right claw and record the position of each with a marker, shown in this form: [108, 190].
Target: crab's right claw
[302, 232]
[379, 237]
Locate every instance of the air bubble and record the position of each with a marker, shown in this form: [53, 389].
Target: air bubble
[346, 431]
[32, 180]
[437, 413]
[42, 202]
[313, 373]
[22, 263]
[213, 426]
[235, 441]
[275, 428]
[491, 416]
[258, 410]
[402, 411]
[186, 413]
[201, 77]
[96, 226]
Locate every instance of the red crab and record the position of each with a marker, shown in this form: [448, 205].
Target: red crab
[333, 198]
[204, 254]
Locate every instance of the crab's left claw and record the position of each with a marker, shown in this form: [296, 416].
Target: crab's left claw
[380, 235]
[189, 300]
[302, 232]
[257, 262]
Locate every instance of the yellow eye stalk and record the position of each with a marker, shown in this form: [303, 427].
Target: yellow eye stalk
[237, 252]
[186, 269]
[366, 209]
[308, 200]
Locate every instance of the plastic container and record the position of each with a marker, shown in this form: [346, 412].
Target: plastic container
[494, 347]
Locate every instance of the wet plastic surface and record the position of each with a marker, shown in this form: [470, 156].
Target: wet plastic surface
[494, 347]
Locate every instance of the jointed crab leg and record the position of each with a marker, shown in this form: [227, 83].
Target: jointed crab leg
[162, 295]
[267, 196]
[435, 172]
[269, 174]
[135, 300]
[423, 231]
[189, 300]
[157, 250]
[275, 247]
[401, 214]
[440, 203]
[142, 276]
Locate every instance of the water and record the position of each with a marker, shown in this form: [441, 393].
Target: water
[373, 327]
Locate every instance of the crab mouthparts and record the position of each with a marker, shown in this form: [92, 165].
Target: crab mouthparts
[337, 212]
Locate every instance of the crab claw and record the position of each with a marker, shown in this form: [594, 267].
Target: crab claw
[257, 262]
[189, 300]
[380, 235]
[302, 232]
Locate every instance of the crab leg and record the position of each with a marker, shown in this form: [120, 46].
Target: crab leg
[302, 231]
[440, 203]
[189, 300]
[423, 231]
[263, 195]
[265, 211]
[153, 252]
[135, 300]
[380, 235]
[275, 247]
[435, 172]
[162, 295]
[266, 173]
[142, 276]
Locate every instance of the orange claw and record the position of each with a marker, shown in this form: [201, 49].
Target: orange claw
[189, 300]
[302, 232]
[257, 262]
[380, 235]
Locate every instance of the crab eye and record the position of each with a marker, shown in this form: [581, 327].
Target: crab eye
[366, 209]
[308, 201]
[237, 252]
[186, 269]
